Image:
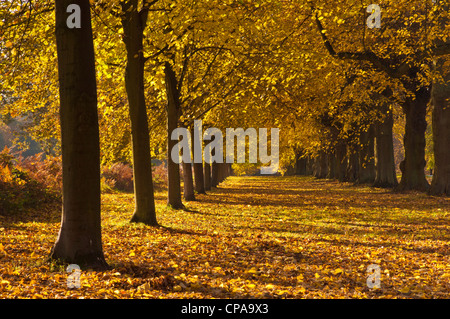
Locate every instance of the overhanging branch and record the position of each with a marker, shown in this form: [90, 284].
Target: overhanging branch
[368, 56]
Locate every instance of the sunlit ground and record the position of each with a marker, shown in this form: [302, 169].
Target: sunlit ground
[253, 237]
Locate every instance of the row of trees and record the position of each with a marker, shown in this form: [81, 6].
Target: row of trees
[313, 69]
[414, 65]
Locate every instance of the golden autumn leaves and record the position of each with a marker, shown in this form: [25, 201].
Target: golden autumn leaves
[251, 238]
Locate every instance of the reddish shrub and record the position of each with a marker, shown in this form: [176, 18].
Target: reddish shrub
[47, 172]
[119, 176]
[160, 176]
[28, 182]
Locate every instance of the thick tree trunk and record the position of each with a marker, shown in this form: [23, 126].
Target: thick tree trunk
[79, 240]
[207, 176]
[321, 170]
[385, 164]
[440, 185]
[331, 157]
[133, 26]
[214, 174]
[199, 183]
[316, 166]
[230, 169]
[223, 172]
[309, 166]
[353, 164]
[188, 182]
[300, 164]
[413, 166]
[341, 161]
[220, 173]
[173, 113]
[366, 156]
[199, 179]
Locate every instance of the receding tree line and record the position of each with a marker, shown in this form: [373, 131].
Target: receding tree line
[349, 158]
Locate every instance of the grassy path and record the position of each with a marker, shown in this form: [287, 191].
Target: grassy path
[253, 237]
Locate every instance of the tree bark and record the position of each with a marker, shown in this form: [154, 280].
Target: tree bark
[309, 166]
[331, 158]
[214, 174]
[413, 166]
[230, 169]
[385, 163]
[133, 27]
[341, 161]
[188, 182]
[440, 184]
[321, 170]
[207, 176]
[223, 172]
[316, 166]
[220, 173]
[353, 164]
[366, 156]
[173, 114]
[300, 163]
[199, 183]
[79, 239]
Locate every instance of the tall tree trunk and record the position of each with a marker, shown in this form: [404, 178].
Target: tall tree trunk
[173, 114]
[321, 170]
[188, 182]
[341, 161]
[300, 164]
[366, 156]
[199, 183]
[353, 164]
[331, 157]
[133, 23]
[207, 176]
[220, 173]
[230, 169]
[385, 164]
[440, 185]
[214, 174]
[309, 166]
[79, 240]
[316, 166]
[413, 166]
[223, 172]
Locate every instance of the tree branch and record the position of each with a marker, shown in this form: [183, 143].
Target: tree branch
[368, 56]
[184, 69]
[217, 102]
[442, 49]
[143, 13]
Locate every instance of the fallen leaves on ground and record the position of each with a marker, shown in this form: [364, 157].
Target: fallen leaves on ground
[253, 237]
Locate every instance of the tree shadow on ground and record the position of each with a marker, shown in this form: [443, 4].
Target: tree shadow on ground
[181, 231]
[46, 213]
[313, 193]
